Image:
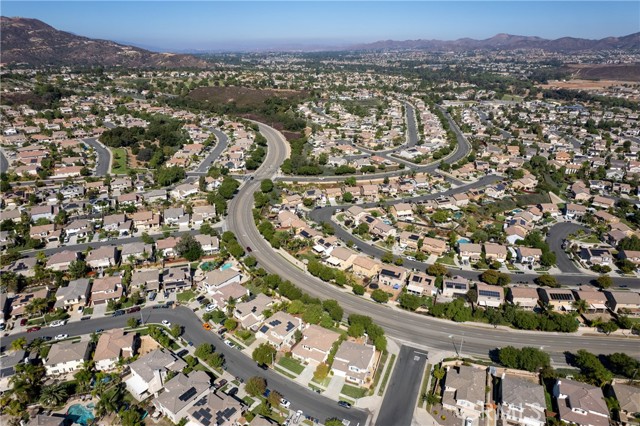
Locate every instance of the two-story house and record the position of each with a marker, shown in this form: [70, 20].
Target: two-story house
[355, 362]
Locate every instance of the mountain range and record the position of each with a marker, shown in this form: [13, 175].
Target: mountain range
[33, 42]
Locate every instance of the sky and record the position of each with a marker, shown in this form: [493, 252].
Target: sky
[218, 25]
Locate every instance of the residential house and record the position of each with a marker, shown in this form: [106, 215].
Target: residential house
[528, 255]
[103, 257]
[217, 407]
[176, 278]
[623, 302]
[596, 256]
[365, 266]
[315, 345]
[455, 287]
[632, 256]
[574, 211]
[402, 212]
[20, 301]
[561, 299]
[596, 300]
[470, 253]
[580, 404]
[167, 247]
[219, 278]
[495, 253]
[146, 280]
[421, 284]
[341, 258]
[8, 364]
[175, 216]
[208, 243]
[232, 293]
[525, 297]
[79, 227]
[149, 372]
[392, 276]
[183, 191]
[408, 240]
[145, 220]
[522, 401]
[603, 202]
[279, 329]
[629, 401]
[464, 391]
[46, 420]
[138, 251]
[489, 296]
[61, 260]
[434, 246]
[251, 313]
[355, 362]
[66, 357]
[105, 289]
[112, 346]
[117, 223]
[75, 294]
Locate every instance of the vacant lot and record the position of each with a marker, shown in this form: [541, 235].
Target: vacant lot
[119, 164]
[620, 72]
[243, 97]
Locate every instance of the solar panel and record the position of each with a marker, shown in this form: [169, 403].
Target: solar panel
[188, 394]
[275, 323]
[416, 279]
[290, 326]
[264, 329]
[489, 293]
[561, 296]
[388, 272]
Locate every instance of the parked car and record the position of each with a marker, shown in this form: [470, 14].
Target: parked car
[23, 322]
[57, 323]
[206, 326]
[210, 308]
[285, 403]
[229, 343]
[133, 309]
[32, 329]
[221, 383]
[152, 296]
[183, 353]
[166, 323]
[222, 331]
[344, 404]
[61, 336]
[118, 313]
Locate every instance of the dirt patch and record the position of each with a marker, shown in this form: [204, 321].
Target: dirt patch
[617, 72]
[581, 84]
[147, 344]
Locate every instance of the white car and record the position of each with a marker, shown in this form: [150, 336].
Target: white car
[61, 336]
[57, 323]
[166, 323]
[285, 403]
[228, 343]
[210, 308]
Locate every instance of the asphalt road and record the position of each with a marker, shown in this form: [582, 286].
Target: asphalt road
[4, 163]
[238, 364]
[103, 159]
[401, 325]
[223, 142]
[557, 233]
[402, 392]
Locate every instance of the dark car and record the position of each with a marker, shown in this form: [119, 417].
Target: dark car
[344, 404]
[23, 322]
[100, 330]
[200, 298]
[221, 383]
[222, 331]
[249, 249]
[133, 309]
[85, 318]
[182, 353]
[118, 313]
[152, 296]
[263, 366]
[32, 329]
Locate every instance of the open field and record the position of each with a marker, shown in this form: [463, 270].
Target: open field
[618, 72]
[243, 97]
[119, 165]
[581, 84]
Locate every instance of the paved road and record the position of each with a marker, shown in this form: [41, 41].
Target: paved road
[557, 234]
[4, 163]
[401, 325]
[103, 158]
[223, 142]
[402, 392]
[237, 364]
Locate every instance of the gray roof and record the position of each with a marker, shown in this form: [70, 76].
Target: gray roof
[75, 290]
[467, 382]
[355, 354]
[66, 351]
[628, 397]
[7, 363]
[160, 359]
[42, 420]
[517, 391]
[183, 390]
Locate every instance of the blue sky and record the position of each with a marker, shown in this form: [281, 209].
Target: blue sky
[244, 24]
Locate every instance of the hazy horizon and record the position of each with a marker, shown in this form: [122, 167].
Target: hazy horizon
[259, 25]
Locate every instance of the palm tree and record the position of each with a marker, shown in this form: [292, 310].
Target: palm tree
[109, 401]
[54, 395]
[580, 306]
[37, 306]
[18, 344]
[83, 379]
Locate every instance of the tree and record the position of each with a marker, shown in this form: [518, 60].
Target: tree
[266, 186]
[78, 269]
[189, 248]
[608, 327]
[321, 372]
[274, 398]
[54, 395]
[547, 280]
[548, 258]
[230, 324]
[176, 330]
[334, 309]
[357, 289]
[490, 277]
[604, 281]
[18, 344]
[256, 386]
[264, 354]
[440, 216]
[109, 402]
[131, 416]
[132, 322]
[37, 306]
[591, 368]
[410, 301]
[437, 269]
[580, 306]
[347, 197]
[380, 296]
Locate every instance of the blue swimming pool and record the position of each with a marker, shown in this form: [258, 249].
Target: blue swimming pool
[80, 415]
[463, 240]
[226, 266]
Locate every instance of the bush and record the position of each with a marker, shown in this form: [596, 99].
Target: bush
[380, 296]
[358, 289]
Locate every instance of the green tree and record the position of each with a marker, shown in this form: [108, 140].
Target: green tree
[604, 281]
[347, 197]
[357, 289]
[591, 368]
[437, 269]
[109, 401]
[321, 372]
[334, 309]
[18, 344]
[189, 248]
[266, 186]
[410, 301]
[230, 324]
[547, 280]
[256, 386]
[608, 327]
[264, 354]
[380, 296]
[176, 330]
[54, 395]
[132, 322]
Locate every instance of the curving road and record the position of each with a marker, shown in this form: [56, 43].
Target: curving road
[401, 325]
[238, 364]
[557, 234]
[103, 156]
[223, 142]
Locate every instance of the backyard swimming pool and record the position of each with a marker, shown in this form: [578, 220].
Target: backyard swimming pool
[226, 266]
[80, 415]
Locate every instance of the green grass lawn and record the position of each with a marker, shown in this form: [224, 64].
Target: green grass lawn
[186, 296]
[119, 164]
[379, 371]
[423, 388]
[589, 239]
[285, 372]
[387, 374]
[446, 260]
[291, 364]
[324, 383]
[353, 391]
[248, 400]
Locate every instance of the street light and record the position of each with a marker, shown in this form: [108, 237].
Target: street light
[454, 345]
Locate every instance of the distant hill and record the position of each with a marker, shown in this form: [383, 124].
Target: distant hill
[509, 42]
[32, 42]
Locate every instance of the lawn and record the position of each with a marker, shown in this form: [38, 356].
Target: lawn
[325, 382]
[447, 260]
[291, 364]
[589, 239]
[423, 388]
[379, 370]
[186, 296]
[248, 400]
[284, 372]
[119, 164]
[353, 391]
